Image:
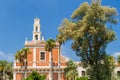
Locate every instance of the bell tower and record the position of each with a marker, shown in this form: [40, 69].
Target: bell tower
[36, 30]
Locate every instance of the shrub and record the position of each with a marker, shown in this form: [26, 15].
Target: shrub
[82, 78]
[35, 76]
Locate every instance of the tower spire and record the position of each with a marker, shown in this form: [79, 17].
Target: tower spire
[36, 30]
[26, 40]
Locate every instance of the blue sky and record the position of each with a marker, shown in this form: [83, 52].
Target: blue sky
[16, 23]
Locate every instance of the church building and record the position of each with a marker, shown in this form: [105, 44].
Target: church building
[39, 59]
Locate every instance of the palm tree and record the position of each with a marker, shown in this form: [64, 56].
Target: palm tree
[71, 71]
[50, 44]
[18, 56]
[9, 70]
[3, 64]
[21, 56]
[60, 40]
[5, 69]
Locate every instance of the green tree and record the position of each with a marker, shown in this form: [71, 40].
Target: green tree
[82, 78]
[3, 64]
[118, 63]
[50, 44]
[9, 70]
[118, 60]
[36, 76]
[71, 72]
[104, 69]
[6, 69]
[21, 56]
[91, 32]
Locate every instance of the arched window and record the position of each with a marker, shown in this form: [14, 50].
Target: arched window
[36, 37]
[36, 29]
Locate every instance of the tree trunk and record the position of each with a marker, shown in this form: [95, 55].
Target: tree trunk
[25, 67]
[51, 65]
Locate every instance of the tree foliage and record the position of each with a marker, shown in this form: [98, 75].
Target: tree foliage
[118, 60]
[36, 76]
[6, 69]
[91, 31]
[71, 72]
[82, 78]
[21, 56]
[103, 70]
[50, 44]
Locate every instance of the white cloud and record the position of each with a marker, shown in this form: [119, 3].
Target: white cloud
[116, 54]
[6, 56]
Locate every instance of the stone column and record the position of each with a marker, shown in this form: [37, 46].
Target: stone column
[34, 57]
[14, 76]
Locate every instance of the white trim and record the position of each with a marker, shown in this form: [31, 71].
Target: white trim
[40, 56]
[62, 67]
[34, 67]
[50, 59]
[49, 56]
[34, 57]
[15, 63]
[58, 56]
[43, 47]
[14, 76]
[41, 67]
[49, 75]
[38, 46]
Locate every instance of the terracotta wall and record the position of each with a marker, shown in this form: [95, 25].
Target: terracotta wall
[30, 57]
[19, 76]
[55, 76]
[40, 62]
[55, 54]
[62, 76]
